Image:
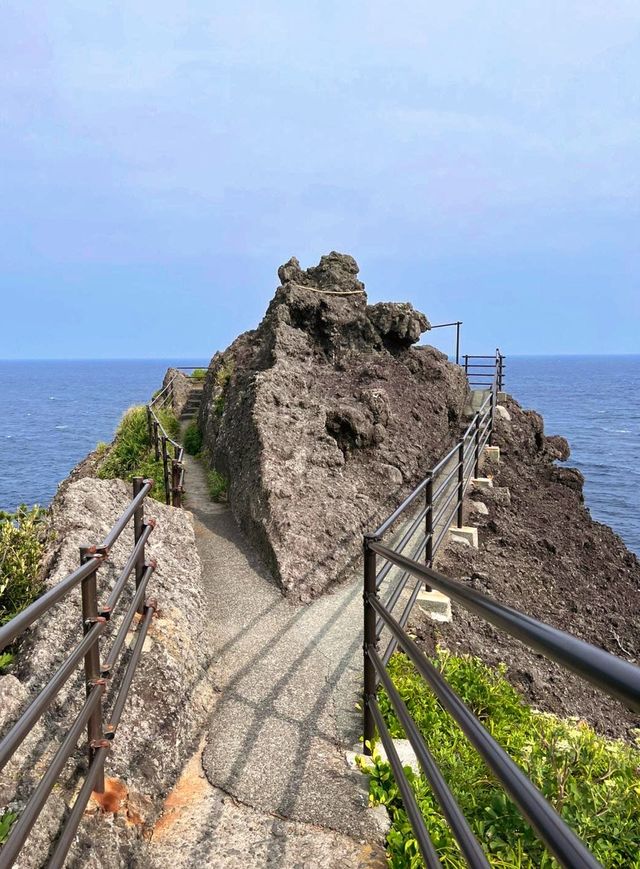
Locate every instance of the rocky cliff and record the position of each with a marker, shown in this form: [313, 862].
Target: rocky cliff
[542, 552]
[169, 698]
[323, 417]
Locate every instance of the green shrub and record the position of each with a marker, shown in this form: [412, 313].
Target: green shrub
[223, 376]
[218, 486]
[192, 439]
[23, 536]
[199, 374]
[132, 454]
[591, 781]
[7, 820]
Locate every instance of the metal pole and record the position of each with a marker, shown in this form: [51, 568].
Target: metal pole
[138, 528]
[149, 426]
[92, 661]
[155, 440]
[370, 640]
[458, 324]
[466, 364]
[476, 472]
[165, 470]
[428, 528]
[175, 483]
[460, 482]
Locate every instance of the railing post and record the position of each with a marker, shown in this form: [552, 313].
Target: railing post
[476, 467]
[138, 528]
[466, 364]
[460, 482]
[95, 733]
[370, 640]
[175, 483]
[165, 470]
[428, 526]
[458, 324]
[155, 440]
[149, 425]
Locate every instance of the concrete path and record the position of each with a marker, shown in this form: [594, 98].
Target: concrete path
[288, 678]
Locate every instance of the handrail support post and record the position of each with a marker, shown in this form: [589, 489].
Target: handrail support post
[92, 661]
[460, 482]
[370, 642]
[138, 528]
[428, 526]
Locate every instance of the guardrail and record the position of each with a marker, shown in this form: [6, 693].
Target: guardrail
[172, 465]
[95, 621]
[614, 676]
[480, 370]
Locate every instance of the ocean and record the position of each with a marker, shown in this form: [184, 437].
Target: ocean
[54, 413]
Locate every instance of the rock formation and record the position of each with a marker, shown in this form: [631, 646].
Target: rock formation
[169, 698]
[323, 417]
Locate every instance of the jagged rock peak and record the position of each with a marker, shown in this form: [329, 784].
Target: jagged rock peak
[335, 273]
[329, 303]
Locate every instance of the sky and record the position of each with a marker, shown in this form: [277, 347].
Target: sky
[160, 160]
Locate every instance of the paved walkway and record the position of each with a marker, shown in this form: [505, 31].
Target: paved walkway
[288, 678]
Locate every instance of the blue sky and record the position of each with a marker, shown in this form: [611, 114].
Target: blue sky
[158, 161]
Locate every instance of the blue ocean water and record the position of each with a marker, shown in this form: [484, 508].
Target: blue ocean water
[593, 401]
[53, 413]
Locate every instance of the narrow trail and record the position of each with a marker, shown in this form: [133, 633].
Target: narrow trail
[271, 786]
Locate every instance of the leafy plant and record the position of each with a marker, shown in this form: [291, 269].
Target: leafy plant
[192, 439]
[132, 453]
[222, 377]
[23, 536]
[218, 486]
[7, 820]
[199, 374]
[591, 781]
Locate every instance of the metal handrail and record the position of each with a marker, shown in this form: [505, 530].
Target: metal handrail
[172, 466]
[95, 620]
[615, 676]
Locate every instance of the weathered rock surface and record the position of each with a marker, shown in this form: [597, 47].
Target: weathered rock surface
[323, 417]
[180, 389]
[542, 553]
[169, 698]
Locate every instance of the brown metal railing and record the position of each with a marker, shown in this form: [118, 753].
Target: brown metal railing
[164, 445]
[614, 676]
[95, 622]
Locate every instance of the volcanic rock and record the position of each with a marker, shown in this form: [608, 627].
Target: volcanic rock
[324, 417]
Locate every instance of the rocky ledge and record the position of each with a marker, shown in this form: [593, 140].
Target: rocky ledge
[324, 417]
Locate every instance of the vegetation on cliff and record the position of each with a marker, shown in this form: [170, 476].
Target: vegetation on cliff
[591, 781]
[132, 453]
[23, 538]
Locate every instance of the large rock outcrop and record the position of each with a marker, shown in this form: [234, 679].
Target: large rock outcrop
[170, 696]
[323, 417]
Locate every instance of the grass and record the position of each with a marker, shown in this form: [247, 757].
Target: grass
[132, 453]
[199, 374]
[223, 376]
[591, 781]
[218, 486]
[192, 439]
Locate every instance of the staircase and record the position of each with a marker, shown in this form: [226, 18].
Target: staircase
[192, 406]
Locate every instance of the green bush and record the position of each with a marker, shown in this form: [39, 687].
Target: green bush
[192, 439]
[218, 486]
[7, 820]
[591, 781]
[199, 374]
[132, 454]
[23, 536]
